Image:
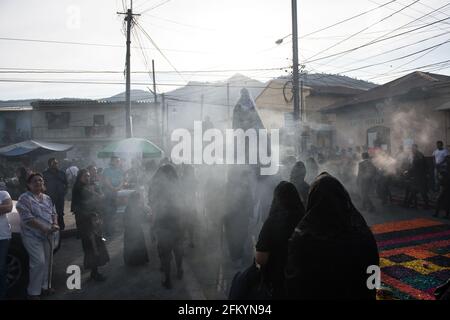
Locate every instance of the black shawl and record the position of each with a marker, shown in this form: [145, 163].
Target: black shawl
[331, 249]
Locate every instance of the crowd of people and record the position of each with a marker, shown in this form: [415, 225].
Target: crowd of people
[299, 229]
[404, 175]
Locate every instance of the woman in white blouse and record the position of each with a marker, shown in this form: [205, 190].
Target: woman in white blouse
[38, 222]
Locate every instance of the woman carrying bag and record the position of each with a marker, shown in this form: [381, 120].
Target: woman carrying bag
[85, 203]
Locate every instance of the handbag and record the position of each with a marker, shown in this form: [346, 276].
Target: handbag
[250, 285]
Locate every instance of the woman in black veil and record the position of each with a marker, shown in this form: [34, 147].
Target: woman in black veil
[332, 247]
[167, 206]
[85, 205]
[272, 247]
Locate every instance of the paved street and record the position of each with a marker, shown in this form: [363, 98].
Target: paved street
[207, 271]
[122, 282]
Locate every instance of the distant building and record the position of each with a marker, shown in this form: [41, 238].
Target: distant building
[90, 125]
[412, 109]
[275, 105]
[15, 123]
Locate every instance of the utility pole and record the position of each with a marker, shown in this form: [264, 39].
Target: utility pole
[302, 107]
[201, 107]
[295, 71]
[128, 123]
[228, 101]
[154, 82]
[163, 121]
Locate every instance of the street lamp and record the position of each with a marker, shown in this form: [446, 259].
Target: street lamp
[280, 41]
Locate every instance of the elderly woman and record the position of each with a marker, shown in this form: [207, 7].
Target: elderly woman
[38, 222]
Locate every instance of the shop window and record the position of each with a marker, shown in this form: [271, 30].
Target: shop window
[57, 120]
[99, 120]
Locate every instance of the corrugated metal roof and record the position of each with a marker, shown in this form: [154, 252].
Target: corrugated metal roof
[398, 87]
[16, 108]
[443, 107]
[65, 103]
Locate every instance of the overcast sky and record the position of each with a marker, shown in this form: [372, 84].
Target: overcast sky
[215, 35]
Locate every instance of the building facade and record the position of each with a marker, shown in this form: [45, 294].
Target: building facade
[89, 125]
[275, 107]
[414, 109]
[15, 124]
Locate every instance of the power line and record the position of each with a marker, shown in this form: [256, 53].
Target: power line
[375, 41]
[143, 3]
[362, 30]
[43, 70]
[92, 44]
[159, 50]
[436, 64]
[429, 7]
[136, 35]
[413, 60]
[156, 6]
[179, 23]
[384, 36]
[396, 49]
[399, 58]
[121, 83]
[407, 15]
[341, 22]
[421, 12]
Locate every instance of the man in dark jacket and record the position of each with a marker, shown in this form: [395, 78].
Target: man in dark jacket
[418, 172]
[365, 180]
[56, 185]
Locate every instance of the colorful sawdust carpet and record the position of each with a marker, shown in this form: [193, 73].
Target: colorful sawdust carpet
[414, 257]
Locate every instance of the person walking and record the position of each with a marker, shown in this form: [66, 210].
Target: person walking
[272, 247]
[440, 155]
[418, 175]
[189, 187]
[239, 211]
[85, 203]
[137, 214]
[365, 181]
[113, 180]
[167, 205]
[439, 160]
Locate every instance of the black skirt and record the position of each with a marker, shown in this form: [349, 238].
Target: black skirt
[94, 247]
[134, 247]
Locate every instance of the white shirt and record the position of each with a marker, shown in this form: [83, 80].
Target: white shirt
[5, 228]
[71, 174]
[440, 155]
